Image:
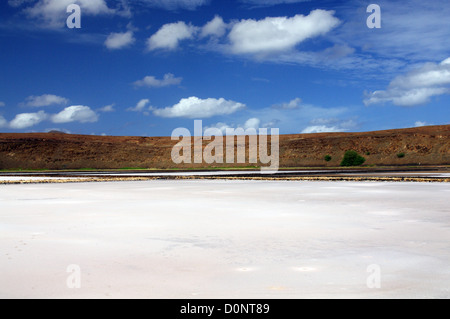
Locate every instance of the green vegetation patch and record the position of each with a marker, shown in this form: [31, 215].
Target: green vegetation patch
[352, 158]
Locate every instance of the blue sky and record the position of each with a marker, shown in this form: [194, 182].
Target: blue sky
[146, 67]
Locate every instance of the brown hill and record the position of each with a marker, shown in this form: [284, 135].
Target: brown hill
[421, 146]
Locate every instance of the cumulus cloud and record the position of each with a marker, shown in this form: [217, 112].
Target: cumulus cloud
[176, 4]
[107, 108]
[169, 35]
[151, 81]
[415, 88]
[321, 129]
[412, 97]
[75, 113]
[271, 39]
[430, 74]
[293, 104]
[141, 106]
[54, 12]
[216, 27]
[332, 125]
[45, 100]
[194, 107]
[280, 33]
[294, 120]
[116, 41]
[252, 123]
[26, 120]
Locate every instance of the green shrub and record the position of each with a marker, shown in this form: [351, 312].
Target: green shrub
[401, 155]
[352, 158]
[328, 158]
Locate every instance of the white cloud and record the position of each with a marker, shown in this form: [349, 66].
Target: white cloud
[322, 129]
[294, 120]
[446, 62]
[107, 108]
[141, 106]
[415, 88]
[329, 125]
[151, 81]
[421, 123]
[54, 12]
[271, 39]
[412, 97]
[216, 27]
[2, 104]
[75, 113]
[194, 107]
[45, 100]
[26, 120]
[169, 35]
[293, 104]
[176, 4]
[430, 74]
[3, 122]
[252, 123]
[280, 33]
[117, 41]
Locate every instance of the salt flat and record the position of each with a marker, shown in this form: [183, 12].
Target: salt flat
[225, 239]
[31, 178]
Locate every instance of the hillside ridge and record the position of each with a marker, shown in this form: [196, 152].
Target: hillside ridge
[428, 145]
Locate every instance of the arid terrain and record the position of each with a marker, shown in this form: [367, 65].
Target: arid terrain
[421, 146]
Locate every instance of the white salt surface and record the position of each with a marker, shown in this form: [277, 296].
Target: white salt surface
[225, 239]
[30, 178]
[193, 173]
[418, 174]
